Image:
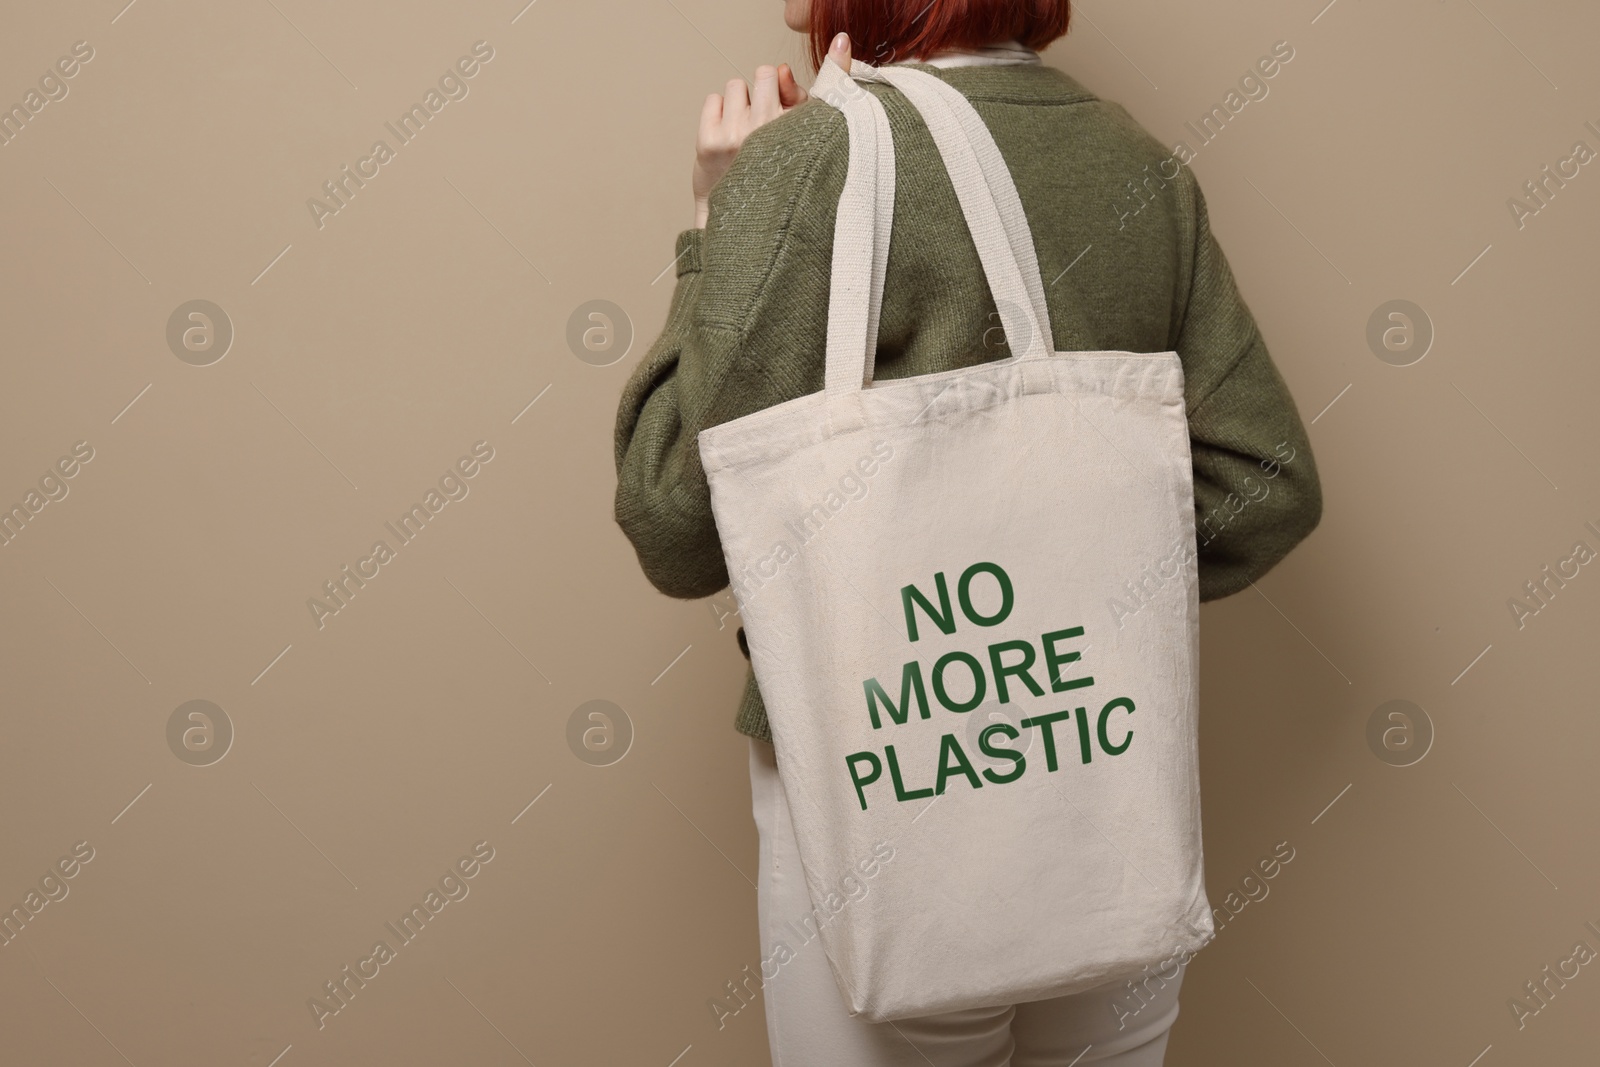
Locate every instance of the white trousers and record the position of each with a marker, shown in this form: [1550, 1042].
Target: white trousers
[1124, 1024]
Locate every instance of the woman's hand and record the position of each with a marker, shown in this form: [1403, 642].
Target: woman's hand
[729, 117]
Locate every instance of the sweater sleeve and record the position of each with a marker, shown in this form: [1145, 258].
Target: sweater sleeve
[1256, 490]
[767, 233]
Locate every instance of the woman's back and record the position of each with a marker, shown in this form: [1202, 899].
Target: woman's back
[1126, 258]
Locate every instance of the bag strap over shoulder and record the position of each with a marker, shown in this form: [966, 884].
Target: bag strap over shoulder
[983, 186]
[923, 90]
[861, 233]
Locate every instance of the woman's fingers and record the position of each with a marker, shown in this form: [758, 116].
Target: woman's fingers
[735, 105]
[727, 118]
[764, 103]
[790, 92]
[710, 117]
[839, 51]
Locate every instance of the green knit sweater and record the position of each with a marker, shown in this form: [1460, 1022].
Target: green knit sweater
[1127, 258]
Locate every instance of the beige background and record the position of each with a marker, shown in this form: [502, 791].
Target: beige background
[370, 754]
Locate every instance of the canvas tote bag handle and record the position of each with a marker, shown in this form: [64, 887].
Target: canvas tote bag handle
[925, 91]
[988, 199]
[861, 232]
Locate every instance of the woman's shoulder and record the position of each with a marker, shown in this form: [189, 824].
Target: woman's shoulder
[1051, 99]
[776, 200]
[786, 152]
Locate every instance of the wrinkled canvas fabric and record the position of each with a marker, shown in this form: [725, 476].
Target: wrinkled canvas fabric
[922, 566]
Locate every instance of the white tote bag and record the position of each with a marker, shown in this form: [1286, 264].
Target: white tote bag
[993, 777]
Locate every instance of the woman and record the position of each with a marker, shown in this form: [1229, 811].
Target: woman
[1130, 264]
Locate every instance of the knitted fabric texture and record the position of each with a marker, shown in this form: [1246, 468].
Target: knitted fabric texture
[1128, 261]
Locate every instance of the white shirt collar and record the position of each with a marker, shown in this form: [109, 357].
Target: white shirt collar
[995, 54]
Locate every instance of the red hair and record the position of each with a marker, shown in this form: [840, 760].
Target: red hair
[883, 31]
